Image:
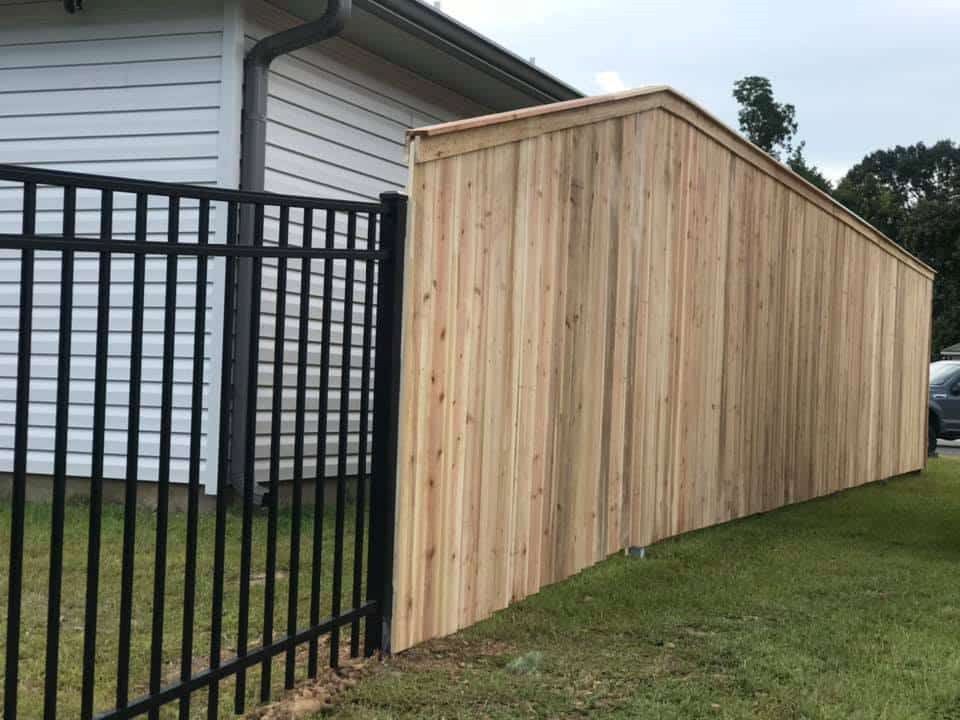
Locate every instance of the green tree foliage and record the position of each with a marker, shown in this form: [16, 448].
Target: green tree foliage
[772, 126]
[811, 173]
[768, 124]
[912, 194]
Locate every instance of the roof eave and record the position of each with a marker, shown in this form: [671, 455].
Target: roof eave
[441, 30]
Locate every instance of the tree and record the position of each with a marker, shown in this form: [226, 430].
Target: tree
[912, 194]
[811, 173]
[887, 184]
[932, 232]
[772, 126]
[767, 124]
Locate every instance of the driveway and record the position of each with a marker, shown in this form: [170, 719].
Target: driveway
[948, 447]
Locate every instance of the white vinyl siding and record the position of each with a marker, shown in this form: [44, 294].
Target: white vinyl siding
[152, 90]
[127, 89]
[337, 122]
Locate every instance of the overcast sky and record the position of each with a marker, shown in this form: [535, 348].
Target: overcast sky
[863, 74]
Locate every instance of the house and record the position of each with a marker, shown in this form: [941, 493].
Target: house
[153, 90]
[951, 352]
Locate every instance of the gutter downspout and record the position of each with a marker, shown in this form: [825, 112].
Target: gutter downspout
[256, 72]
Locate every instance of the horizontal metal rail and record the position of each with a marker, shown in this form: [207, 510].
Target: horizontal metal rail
[56, 178]
[133, 247]
[207, 677]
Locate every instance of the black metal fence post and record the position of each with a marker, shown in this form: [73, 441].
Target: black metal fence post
[19, 490]
[386, 417]
[228, 353]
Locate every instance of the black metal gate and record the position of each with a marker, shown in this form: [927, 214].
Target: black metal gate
[167, 602]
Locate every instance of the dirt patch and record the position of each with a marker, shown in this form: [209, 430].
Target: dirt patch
[448, 653]
[261, 578]
[316, 696]
[698, 632]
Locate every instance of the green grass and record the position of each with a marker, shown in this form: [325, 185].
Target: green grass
[33, 638]
[845, 607]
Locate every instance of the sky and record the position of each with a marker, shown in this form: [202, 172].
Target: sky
[863, 75]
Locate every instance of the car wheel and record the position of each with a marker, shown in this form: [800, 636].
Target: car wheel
[931, 438]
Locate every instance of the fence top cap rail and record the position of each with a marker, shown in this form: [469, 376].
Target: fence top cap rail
[435, 142]
[85, 181]
[538, 110]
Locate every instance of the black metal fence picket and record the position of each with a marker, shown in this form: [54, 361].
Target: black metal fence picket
[346, 261]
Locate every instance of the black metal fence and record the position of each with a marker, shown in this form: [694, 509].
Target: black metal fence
[344, 260]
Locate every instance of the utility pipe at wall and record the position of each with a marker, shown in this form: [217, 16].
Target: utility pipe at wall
[256, 73]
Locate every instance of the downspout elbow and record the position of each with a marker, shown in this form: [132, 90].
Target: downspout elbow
[330, 24]
[256, 68]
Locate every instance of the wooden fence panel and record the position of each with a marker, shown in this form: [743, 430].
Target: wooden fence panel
[622, 323]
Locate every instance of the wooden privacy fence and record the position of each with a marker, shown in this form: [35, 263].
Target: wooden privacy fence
[623, 322]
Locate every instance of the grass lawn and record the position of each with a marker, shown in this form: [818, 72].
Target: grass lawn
[33, 637]
[845, 607]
